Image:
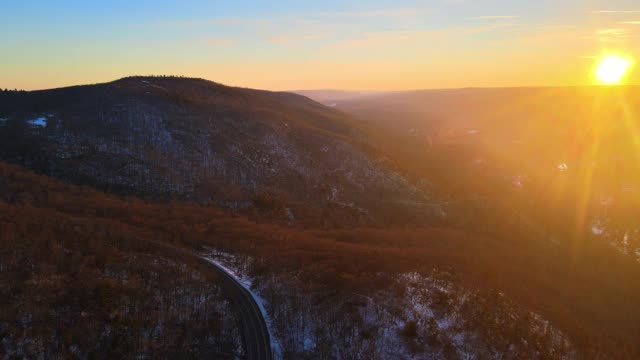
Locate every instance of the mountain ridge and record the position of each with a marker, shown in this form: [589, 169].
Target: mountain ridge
[193, 138]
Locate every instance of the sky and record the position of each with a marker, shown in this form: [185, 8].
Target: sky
[329, 44]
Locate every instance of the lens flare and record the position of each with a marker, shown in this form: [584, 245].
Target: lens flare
[612, 69]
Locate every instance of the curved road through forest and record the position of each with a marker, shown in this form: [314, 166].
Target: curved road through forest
[254, 327]
[255, 334]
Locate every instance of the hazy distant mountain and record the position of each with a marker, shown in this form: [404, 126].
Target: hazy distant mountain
[541, 150]
[235, 147]
[331, 98]
[481, 106]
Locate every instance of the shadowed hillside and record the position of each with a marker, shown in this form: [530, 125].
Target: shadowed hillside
[278, 154]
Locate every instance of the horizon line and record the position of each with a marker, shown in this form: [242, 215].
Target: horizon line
[480, 87]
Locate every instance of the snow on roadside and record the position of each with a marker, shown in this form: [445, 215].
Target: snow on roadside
[219, 260]
[40, 121]
[444, 316]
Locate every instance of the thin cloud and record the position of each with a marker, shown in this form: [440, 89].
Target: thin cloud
[296, 39]
[397, 36]
[297, 18]
[613, 35]
[491, 27]
[630, 22]
[374, 13]
[612, 32]
[390, 37]
[616, 11]
[496, 17]
[219, 21]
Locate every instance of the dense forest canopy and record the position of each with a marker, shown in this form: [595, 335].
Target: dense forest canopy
[71, 227]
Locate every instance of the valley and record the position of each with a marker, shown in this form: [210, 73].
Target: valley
[434, 245]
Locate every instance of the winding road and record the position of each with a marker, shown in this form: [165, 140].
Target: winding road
[254, 327]
[255, 334]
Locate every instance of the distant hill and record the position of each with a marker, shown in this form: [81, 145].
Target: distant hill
[565, 157]
[333, 97]
[277, 153]
[498, 107]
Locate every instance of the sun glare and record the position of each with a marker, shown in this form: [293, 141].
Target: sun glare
[612, 69]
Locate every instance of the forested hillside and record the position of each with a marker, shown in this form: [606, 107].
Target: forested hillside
[278, 154]
[339, 270]
[76, 282]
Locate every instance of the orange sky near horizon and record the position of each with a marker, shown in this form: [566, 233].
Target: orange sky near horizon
[374, 46]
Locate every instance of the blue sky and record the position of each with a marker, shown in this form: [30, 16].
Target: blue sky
[328, 44]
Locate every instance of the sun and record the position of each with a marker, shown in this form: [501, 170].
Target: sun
[612, 69]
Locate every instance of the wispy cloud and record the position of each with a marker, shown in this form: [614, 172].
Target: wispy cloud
[612, 32]
[612, 35]
[630, 22]
[616, 11]
[491, 27]
[399, 36]
[299, 18]
[239, 21]
[296, 38]
[496, 17]
[383, 37]
[373, 13]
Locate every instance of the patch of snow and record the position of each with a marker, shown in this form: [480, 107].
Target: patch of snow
[444, 323]
[39, 121]
[290, 216]
[334, 194]
[333, 105]
[309, 344]
[563, 167]
[597, 229]
[246, 282]
[473, 132]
